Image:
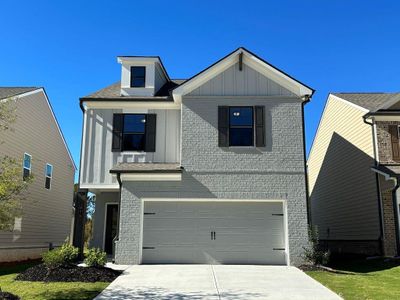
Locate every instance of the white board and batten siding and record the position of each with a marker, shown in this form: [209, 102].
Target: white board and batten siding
[245, 82]
[342, 187]
[97, 157]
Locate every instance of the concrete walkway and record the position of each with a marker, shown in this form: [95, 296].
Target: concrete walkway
[230, 282]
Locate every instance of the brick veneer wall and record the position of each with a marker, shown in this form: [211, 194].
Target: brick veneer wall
[389, 238]
[384, 141]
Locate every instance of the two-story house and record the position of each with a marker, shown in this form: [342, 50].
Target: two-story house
[205, 170]
[35, 139]
[354, 168]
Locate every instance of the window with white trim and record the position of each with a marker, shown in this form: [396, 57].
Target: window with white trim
[27, 166]
[48, 175]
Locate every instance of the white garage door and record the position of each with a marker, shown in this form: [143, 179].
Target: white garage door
[210, 232]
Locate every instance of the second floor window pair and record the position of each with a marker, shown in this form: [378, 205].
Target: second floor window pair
[27, 170]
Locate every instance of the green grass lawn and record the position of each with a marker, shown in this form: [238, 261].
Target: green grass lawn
[374, 279]
[29, 290]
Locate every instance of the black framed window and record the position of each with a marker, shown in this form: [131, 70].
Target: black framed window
[134, 132]
[241, 126]
[138, 76]
[27, 166]
[48, 175]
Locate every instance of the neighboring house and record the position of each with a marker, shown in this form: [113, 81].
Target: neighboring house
[353, 169]
[36, 140]
[208, 169]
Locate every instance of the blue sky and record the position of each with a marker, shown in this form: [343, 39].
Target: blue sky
[70, 47]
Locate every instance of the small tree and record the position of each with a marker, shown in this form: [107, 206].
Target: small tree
[12, 184]
[312, 252]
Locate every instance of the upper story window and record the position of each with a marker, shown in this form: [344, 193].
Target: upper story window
[134, 132]
[138, 77]
[27, 166]
[241, 126]
[241, 131]
[48, 175]
[133, 135]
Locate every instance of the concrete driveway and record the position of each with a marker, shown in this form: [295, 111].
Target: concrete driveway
[230, 282]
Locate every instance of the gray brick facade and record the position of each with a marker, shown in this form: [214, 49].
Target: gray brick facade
[275, 172]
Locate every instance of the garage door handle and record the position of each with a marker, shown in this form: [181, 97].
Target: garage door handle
[212, 235]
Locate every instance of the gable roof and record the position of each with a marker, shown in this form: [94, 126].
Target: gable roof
[370, 101]
[6, 92]
[296, 87]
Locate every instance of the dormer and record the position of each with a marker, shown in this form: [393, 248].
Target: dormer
[141, 76]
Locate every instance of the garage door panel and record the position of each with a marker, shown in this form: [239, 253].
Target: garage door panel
[181, 232]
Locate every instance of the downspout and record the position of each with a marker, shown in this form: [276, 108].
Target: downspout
[378, 186]
[119, 214]
[396, 215]
[307, 99]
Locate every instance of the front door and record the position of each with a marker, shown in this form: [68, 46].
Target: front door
[111, 227]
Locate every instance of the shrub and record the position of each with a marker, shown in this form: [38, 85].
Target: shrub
[95, 257]
[312, 253]
[60, 257]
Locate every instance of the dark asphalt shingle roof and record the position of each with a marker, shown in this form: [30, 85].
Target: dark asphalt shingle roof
[113, 91]
[146, 168]
[6, 92]
[370, 101]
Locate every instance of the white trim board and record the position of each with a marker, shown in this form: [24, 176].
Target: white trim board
[151, 177]
[115, 104]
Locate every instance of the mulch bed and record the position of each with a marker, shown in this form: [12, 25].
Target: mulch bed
[68, 274]
[8, 296]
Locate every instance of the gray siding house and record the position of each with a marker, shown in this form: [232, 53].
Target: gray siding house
[37, 141]
[205, 170]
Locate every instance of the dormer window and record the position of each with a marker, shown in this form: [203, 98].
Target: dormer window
[138, 77]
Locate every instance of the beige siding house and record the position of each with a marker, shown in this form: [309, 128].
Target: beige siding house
[36, 140]
[352, 187]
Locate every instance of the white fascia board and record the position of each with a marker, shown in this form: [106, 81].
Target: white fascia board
[132, 60]
[54, 118]
[131, 104]
[349, 103]
[253, 62]
[151, 177]
[277, 76]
